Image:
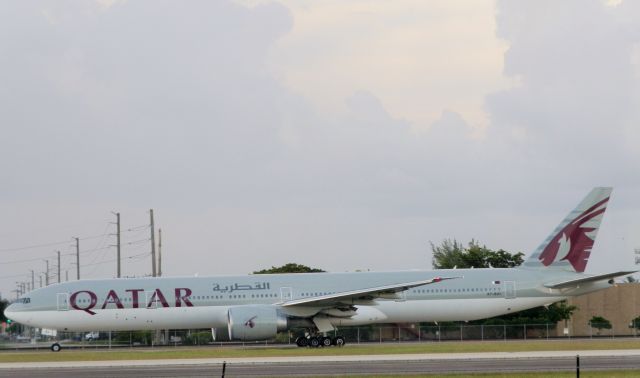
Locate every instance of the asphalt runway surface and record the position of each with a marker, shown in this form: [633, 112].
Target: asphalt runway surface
[363, 366]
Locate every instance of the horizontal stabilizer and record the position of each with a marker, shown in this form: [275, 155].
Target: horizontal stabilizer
[368, 293]
[577, 281]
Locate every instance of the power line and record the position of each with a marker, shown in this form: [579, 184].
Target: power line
[17, 249]
[33, 246]
[87, 251]
[138, 241]
[138, 256]
[134, 228]
[14, 276]
[25, 260]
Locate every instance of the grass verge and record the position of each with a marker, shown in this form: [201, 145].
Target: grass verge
[595, 374]
[364, 349]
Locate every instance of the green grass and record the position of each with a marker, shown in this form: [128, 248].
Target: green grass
[367, 349]
[596, 374]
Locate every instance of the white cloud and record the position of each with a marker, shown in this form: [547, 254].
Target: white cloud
[418, 57]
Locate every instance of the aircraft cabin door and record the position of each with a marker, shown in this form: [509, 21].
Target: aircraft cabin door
[286, 294]
[509, 289]
[63, 301]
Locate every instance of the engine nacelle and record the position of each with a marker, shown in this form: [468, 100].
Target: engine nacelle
[255, 322]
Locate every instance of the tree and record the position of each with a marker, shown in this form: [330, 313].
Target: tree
[561, 311]
[447, 255]
[3, 304]
[635, 323]
[451, 254]
[599, 323]
[289, 268]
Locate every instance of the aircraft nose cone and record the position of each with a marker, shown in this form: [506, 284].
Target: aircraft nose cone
[11, 313]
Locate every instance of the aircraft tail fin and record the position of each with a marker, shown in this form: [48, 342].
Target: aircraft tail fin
[568, 247]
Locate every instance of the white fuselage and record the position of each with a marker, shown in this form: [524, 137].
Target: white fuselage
[204, 302]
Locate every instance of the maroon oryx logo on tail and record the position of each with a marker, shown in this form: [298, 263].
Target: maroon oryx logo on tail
[573, 242]
[250, 323]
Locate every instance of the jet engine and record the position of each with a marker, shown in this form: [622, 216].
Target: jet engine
[255, 322]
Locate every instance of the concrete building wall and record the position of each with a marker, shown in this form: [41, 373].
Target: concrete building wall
[619, 304]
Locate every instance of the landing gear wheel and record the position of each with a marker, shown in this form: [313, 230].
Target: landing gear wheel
[338, 341]
[326, 341]
[314, 342]
[302, 341]
[56, 347]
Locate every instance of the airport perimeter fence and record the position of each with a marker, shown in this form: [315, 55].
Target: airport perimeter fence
[353, 335]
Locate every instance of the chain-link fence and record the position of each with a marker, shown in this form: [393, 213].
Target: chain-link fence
[353, 335]
[417, 333]
[601, 330]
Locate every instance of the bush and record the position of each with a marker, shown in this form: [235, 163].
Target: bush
[141, 337]
[199, 338]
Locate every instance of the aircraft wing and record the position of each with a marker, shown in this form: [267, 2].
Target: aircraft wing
[362, 294]
[577, 281]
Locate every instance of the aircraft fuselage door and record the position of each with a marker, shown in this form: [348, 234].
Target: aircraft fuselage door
[509, 289]
[63, 301]
[286, 294]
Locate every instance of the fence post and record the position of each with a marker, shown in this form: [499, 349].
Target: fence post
[380, 334]
[613, 332]
[419, 333]
[504, 328]
[525, 331]
[439, 333]
[398, 333]
[358, 335]
[547, 324]
[460, 331]
[482, 332]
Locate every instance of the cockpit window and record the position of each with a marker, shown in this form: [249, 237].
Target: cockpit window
[23, 300]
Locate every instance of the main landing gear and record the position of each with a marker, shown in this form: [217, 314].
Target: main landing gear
[55, 347]
[319, 341]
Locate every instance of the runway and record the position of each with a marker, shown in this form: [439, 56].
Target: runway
[334, 365]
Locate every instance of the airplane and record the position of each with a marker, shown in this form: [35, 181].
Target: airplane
[257, 307]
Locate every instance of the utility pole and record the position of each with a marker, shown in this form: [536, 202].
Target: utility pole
[77, 259]
[118, 242]
[33, 280]
[159, 252]
[153, 245]
[59, 276]
[46, 277]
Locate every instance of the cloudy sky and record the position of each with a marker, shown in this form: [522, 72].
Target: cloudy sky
[341, 134]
